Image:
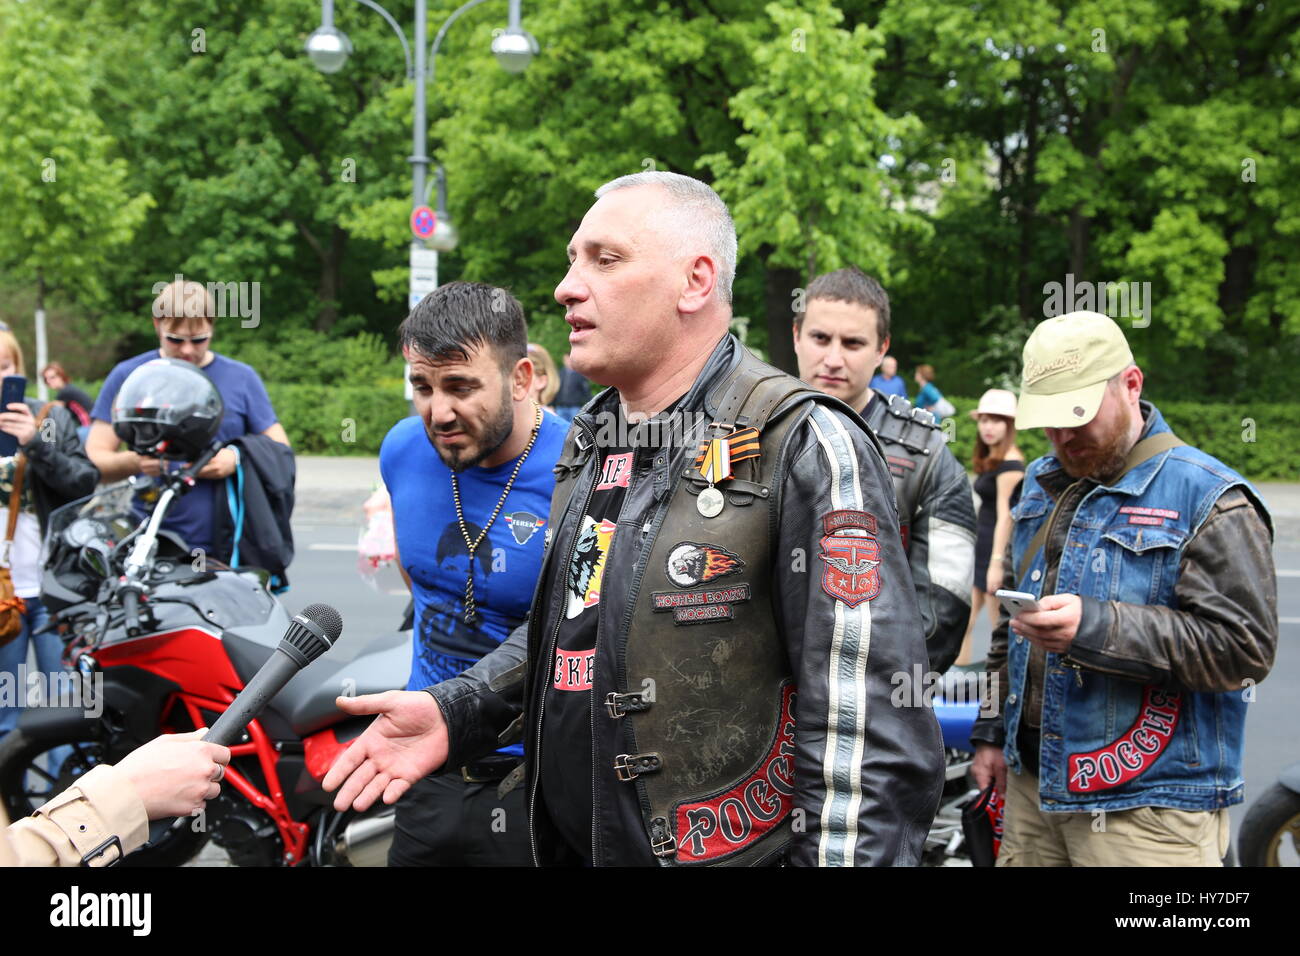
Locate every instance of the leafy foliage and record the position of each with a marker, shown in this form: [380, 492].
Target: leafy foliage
[968, 154]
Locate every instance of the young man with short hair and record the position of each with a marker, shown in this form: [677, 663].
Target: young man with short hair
[839, 339]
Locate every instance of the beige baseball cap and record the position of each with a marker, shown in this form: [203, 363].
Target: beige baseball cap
[1067, 362]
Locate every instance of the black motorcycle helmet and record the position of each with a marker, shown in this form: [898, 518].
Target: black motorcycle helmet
[167, 408]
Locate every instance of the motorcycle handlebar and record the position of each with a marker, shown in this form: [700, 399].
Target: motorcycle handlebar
[131, 605]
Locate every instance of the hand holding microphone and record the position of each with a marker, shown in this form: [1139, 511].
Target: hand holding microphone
[311, 633]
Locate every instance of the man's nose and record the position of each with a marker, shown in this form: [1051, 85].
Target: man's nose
[441, 412]
[571, 288]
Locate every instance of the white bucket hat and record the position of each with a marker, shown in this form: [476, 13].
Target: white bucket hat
[996, 401]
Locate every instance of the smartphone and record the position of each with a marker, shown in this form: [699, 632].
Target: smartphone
[1017, 601]
[12, 389]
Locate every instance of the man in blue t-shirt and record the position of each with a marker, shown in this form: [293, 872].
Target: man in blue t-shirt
[887, 380]
[184, 315]
[471, 480]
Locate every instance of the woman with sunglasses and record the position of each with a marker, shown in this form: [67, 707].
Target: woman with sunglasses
[184, 317]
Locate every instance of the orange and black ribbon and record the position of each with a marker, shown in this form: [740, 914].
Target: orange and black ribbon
[717, 455]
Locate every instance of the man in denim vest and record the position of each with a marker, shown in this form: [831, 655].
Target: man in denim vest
[1123, 698]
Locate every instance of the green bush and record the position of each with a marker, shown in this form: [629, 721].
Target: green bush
[338, 419]
[1262, 441]
[313, 358]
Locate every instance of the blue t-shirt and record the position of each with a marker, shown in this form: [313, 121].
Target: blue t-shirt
[434, 553]
[890, 386]
[248, 411]
[927, 396]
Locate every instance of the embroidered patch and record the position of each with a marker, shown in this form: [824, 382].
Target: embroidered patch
[523, 525]
[727, 823]
[1147, 516]
[703, 615]
[1134, 753]
[852, 556]
[691, 564]
[897, 466]
[833, 521]
[669, 600]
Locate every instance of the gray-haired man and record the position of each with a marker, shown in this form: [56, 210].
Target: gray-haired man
[690, 589]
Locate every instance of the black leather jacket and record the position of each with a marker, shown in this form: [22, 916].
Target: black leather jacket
[937, 512]
[880, 750]
[57, 466]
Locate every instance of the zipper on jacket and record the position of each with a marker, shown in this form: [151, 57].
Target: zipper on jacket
[549, 662]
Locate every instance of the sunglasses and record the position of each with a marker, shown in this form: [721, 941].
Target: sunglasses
[182, 339]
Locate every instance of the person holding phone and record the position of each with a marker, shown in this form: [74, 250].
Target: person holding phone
[57, 471]
[184, 320]
[1122, 695]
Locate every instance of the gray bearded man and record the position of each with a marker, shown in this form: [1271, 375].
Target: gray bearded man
[691, 591]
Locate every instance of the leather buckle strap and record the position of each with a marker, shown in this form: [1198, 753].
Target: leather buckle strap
[103, 848]
[661, 838]
[630, 766]
[619, 704]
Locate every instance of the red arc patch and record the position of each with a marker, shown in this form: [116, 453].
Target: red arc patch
[852, 556]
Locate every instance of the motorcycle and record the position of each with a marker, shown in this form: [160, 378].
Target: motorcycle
[161, 640]
[945, 844]
[1271, 819]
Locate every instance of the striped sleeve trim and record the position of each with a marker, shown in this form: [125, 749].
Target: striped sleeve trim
[846, 669]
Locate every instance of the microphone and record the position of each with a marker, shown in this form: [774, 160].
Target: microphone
[311, 633]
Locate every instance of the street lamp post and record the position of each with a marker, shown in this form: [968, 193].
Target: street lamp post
[514, 47]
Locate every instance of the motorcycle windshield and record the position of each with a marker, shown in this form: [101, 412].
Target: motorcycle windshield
[110, 506]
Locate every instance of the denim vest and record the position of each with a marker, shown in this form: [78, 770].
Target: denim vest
[1108, 743]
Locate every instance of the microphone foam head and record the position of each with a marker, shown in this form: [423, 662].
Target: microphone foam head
[311, 633]
[326, 618]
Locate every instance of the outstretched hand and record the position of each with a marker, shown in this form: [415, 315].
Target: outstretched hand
[407, 741]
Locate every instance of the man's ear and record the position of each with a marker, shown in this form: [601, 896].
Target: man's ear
[521, 379]
[1133, 383]
[700, 283]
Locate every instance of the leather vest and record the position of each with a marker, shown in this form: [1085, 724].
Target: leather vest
[910, 437]
[712, 760]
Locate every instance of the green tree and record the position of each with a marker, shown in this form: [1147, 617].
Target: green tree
[68, 201]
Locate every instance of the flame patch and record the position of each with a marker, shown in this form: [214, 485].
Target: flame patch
[691, 564]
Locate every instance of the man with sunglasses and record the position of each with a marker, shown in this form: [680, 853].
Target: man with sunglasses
[183, 317]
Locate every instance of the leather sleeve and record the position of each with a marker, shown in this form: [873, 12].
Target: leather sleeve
[78, 821]
[482, 703]
[942, 554]
[868, 753]
[989, 726]
[61, 463]
[1223, 635]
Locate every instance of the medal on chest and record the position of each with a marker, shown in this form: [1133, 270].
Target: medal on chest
[714, 463]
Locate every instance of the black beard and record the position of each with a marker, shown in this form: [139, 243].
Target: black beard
[495, 434]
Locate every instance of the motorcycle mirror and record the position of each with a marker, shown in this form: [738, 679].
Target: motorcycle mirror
[94, 558]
